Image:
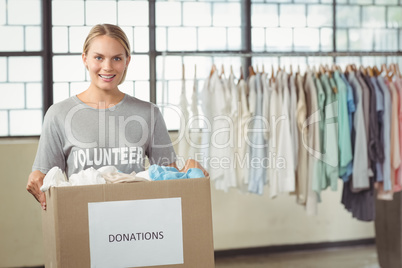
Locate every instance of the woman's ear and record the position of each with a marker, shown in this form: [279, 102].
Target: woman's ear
[128, 60]
[84, 60]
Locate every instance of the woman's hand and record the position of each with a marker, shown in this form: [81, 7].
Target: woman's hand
[35, 181]
[191, 163]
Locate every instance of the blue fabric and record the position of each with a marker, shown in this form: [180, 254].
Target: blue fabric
[344, 137]
[257, 175]
[351, 110]
[386, 166]
[161, 173]
[380, 97]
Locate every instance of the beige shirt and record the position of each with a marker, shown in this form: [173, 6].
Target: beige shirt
[302, 170]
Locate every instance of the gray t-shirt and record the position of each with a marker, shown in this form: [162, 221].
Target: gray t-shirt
[76, 136]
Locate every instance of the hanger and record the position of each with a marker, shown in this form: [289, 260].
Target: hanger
[279, 70]
[183, 76]
[222, 72]
[376, 71]
[349, 68]
[370, 72]
[241, 73]
[272, 79]
[316, 74]
[213, 69]
[362, 70]
[321, 69]
[390, 73]
[251, 70]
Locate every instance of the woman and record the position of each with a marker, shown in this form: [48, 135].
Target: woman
[102, 126]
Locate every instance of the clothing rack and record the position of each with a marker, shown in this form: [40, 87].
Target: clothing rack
[283, 54]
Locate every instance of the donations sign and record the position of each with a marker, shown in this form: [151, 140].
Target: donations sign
[136, 233]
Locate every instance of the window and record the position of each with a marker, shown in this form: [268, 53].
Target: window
[69, 32]
[20, 68]
[165, 35]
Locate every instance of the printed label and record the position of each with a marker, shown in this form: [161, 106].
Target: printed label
[136, 233]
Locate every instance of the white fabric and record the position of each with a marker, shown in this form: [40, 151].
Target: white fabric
[87, 177]
[183, 146]
[286, 173]
[293, 120]
[252, 98]
[144, 175]
[90, 176]
[112, 175]
[244, 114]
[54, 178]
[274, 112]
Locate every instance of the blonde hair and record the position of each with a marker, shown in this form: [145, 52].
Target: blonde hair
[112, 31]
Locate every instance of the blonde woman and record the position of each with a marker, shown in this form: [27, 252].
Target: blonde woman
[102, 126]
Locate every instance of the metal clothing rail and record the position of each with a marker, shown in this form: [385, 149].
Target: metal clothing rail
[282, 54]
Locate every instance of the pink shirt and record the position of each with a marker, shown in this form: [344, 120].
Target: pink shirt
[398, 178]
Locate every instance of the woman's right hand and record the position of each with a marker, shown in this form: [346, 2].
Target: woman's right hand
[35, 181]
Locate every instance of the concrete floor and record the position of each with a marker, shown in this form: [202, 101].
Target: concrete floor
[345, 257]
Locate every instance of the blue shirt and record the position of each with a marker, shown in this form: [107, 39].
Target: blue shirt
[386, 166]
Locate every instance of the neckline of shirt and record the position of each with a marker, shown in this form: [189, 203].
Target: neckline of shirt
[111, 109]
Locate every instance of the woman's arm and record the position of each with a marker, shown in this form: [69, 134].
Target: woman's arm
[190, 163]
[35, 181]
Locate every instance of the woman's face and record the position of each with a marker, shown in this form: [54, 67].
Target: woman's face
[106, 61]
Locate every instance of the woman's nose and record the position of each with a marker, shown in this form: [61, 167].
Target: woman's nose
[107, 65]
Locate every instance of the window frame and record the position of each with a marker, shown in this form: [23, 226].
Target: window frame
[245, 53]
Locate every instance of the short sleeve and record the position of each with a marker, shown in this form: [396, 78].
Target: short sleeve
[50, 149]
[160, 149]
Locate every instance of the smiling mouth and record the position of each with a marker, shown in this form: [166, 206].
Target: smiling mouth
[107, 76]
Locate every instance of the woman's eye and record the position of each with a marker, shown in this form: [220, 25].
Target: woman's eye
[117, 58]
[98, 58]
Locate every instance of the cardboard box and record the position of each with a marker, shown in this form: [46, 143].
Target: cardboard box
[142, 224]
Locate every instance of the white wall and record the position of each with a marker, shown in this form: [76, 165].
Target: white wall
[239, 220]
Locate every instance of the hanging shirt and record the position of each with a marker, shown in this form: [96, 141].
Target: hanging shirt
[351, 110]
[344, 138]
[331, 158]
[302, 164]
[275, 110]
[313, 142]
[321, 105]
[216, 138]
[378, 149]
[192, 131]
[207, 104]
[386, 166]
[351, 101]
[398, 85]
[252, 99]
[360, 161]
[267, 90]
[284, 158]
[184, 146]
[258, 157]
[366, 112]
[395, 154]
[242, 170]
[293, 118]
[230, 174]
